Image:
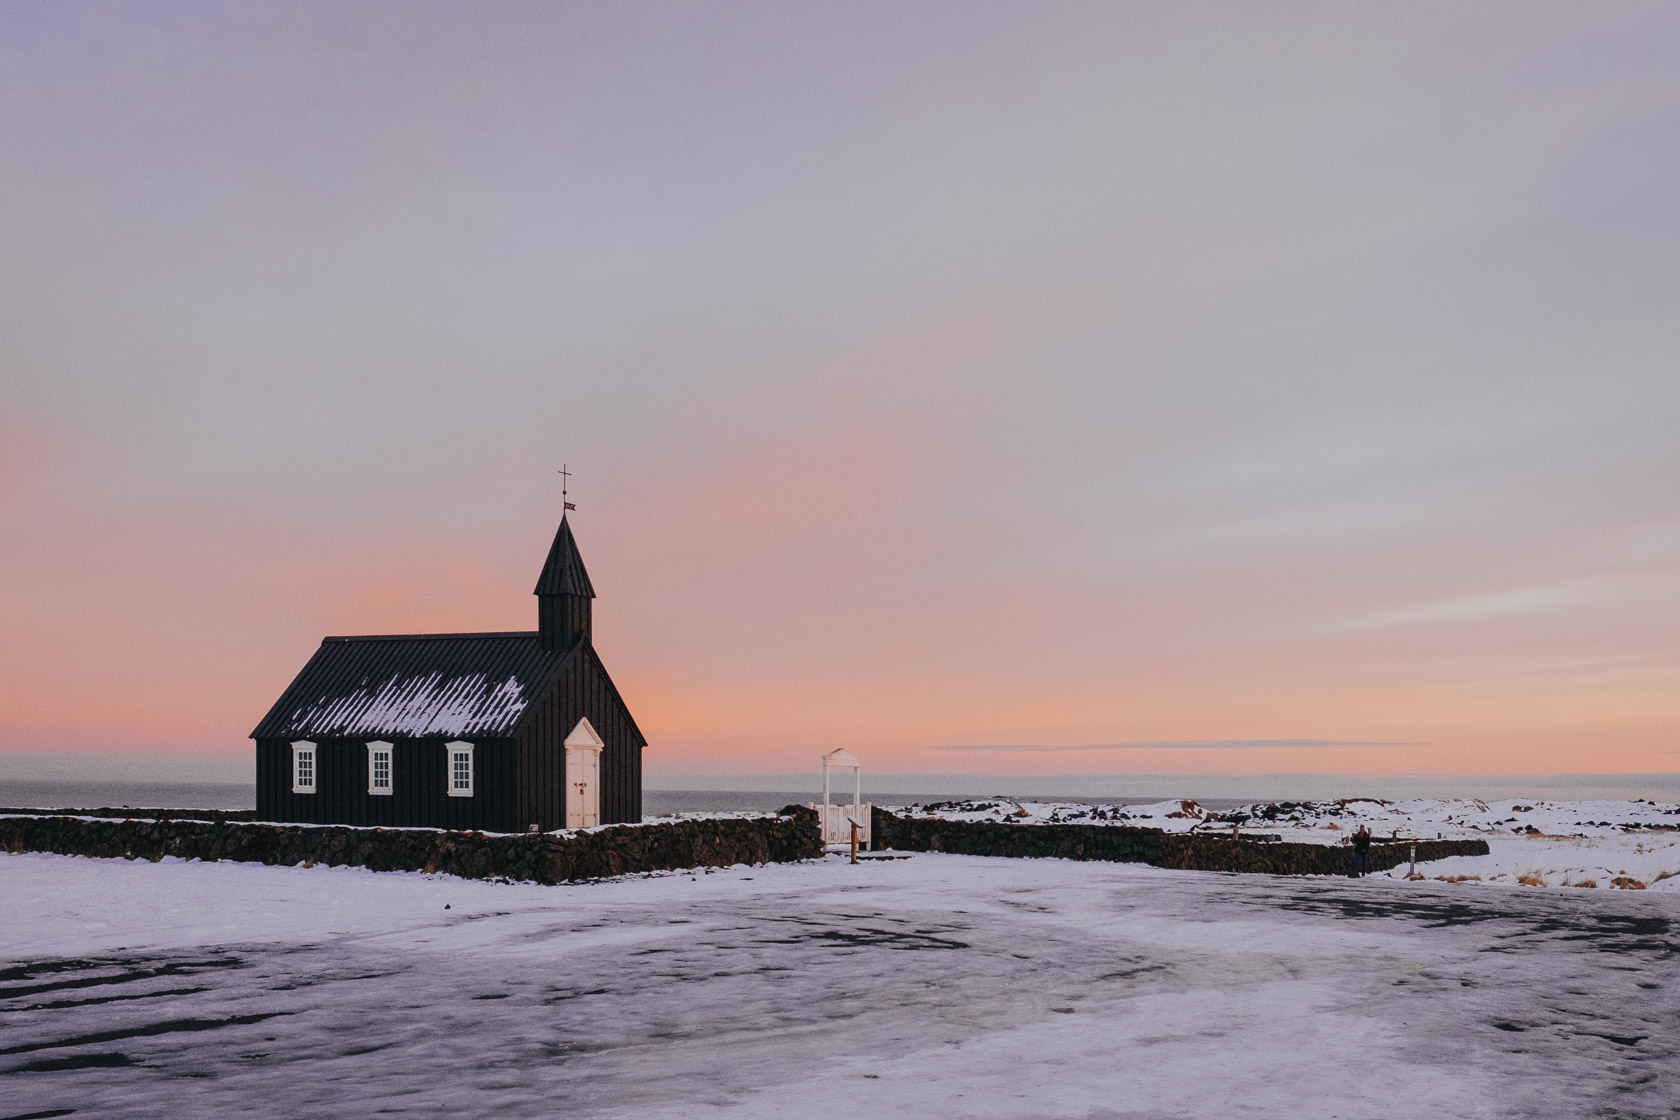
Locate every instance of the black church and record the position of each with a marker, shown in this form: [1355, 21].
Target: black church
[507, 732]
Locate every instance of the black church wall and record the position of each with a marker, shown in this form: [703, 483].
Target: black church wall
[582, 690]
[540, 765]
[621, 757]
[419, 796]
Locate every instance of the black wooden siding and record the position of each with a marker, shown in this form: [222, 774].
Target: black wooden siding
[419, 795]
[562, 619]
[582, 690]
[541, 763]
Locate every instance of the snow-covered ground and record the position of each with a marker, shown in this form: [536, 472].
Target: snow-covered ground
[929, 986]
[1612, 845]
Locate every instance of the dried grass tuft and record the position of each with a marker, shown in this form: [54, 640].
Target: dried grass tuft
[1457, 878]
[1627, 883]
[1531, 880]
[1583, 883]
[1661, 875]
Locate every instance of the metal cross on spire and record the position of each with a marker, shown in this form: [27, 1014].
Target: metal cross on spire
[565, 477]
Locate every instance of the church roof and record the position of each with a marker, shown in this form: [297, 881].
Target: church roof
[414, 686]
[563, 573]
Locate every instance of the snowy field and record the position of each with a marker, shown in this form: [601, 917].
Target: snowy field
[923, 986]
[1609, 845]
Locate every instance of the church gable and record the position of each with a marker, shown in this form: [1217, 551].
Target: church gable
[587, 676]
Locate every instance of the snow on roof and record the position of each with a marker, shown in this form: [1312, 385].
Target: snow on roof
[419, 686]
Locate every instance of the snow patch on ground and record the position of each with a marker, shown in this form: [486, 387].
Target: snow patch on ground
[927, 985]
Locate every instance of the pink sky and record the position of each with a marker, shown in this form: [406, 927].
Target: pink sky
[1134, 388]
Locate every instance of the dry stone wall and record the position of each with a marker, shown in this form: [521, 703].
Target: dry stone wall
[1145, 845]
[1032, 841]
[667, 846]
[540, 858]
[1221, 853]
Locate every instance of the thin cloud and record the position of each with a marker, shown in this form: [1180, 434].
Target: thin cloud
[1179, 745]
[1524, 601]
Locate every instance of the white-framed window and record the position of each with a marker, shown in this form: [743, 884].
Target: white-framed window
[460, 774]
[379, 769]
[303, 767]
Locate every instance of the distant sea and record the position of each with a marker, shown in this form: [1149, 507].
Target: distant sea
[202, 795]
[22, 794]
[656, 801]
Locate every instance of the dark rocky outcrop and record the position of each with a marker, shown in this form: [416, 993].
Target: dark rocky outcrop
[1146, 845]
[536, 857]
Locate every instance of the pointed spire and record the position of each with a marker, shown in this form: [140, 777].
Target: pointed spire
[563, 594]
[564, 574]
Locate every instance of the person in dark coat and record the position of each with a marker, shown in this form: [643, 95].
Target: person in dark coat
[1361, 851]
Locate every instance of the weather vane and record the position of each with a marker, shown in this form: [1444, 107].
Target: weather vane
[565, 477]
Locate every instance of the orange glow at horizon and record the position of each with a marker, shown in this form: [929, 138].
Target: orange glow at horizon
[917, 691]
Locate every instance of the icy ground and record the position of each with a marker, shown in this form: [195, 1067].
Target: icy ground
[1611, 845]
[930, 986]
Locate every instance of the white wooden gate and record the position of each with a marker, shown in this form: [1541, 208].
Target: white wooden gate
[583, 776]
[836, 820]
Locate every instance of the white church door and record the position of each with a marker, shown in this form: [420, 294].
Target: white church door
[583, 776]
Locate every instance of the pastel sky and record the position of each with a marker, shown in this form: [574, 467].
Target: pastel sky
[988, 388]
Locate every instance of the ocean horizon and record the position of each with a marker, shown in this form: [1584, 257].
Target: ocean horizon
[35, 794]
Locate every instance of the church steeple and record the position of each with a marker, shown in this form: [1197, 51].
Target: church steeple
[563, 593]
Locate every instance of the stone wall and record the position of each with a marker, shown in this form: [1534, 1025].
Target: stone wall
[1221, 853]
[1145, 845]
[1032, 841]
[669, 846]
[541, 858]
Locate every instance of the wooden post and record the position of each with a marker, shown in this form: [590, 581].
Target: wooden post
[854, 841]
[1413, 872]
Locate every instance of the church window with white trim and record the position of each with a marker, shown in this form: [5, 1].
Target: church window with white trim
[379, 769]
[303, 767]
[460, 769]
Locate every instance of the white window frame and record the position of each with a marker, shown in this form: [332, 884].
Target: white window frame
[375, 749]
[301, 750]
[451, 753]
